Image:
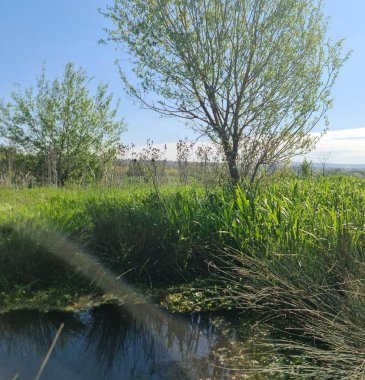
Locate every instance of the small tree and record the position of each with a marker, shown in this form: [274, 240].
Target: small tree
[324, 157]
[252, 75]
[305, 168]
[69, 132]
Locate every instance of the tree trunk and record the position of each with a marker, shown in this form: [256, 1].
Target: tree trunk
[231, 154]
[59, 173]
[231, 157]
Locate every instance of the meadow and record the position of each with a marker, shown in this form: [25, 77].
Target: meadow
[290, 251]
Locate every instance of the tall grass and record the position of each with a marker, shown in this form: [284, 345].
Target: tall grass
[317, 310]
[292, 251]
[169, 235]
[305, 274]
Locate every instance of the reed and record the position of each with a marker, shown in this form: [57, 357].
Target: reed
[291, 251]
[316, 310]
[170, 235]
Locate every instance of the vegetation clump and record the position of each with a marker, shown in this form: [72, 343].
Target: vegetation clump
[289, 252]
[56, 131]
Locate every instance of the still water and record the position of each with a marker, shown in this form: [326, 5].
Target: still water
[137, 342]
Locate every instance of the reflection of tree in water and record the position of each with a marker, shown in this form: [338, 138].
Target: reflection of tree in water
[120, 341]
[141, 339]
[135, 342]
[31, 330]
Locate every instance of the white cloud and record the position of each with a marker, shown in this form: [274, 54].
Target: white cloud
[345, 146]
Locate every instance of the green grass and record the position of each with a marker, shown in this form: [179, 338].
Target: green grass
[168, 236]
[291, 251]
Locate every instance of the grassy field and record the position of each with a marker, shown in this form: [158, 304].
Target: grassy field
[169, 236]
[291, 252]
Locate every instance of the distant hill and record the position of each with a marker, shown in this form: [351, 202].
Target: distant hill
[334, 166]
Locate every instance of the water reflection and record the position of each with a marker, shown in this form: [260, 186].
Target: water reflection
[111, 342]
[25, 330]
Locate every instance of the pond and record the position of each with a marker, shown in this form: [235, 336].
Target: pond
[133, 342]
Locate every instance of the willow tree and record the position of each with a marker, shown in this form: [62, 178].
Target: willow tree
[252, 75]
[69, 133]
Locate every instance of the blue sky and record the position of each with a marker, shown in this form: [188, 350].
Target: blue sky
[57, 32]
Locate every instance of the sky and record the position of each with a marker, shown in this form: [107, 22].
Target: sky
[60, 31]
